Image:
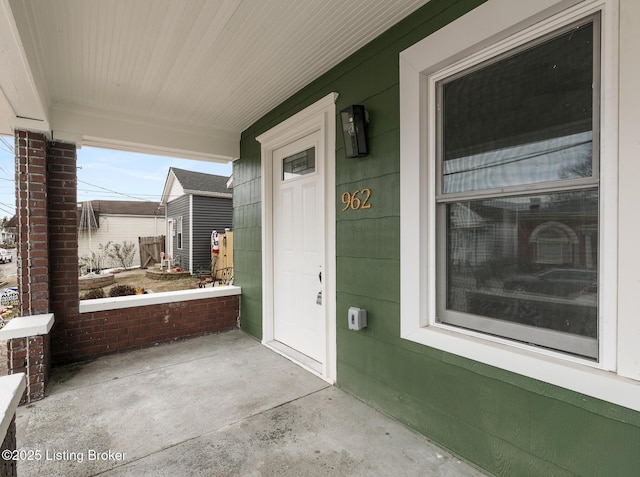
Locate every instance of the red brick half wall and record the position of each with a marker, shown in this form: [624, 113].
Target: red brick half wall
[113, 325]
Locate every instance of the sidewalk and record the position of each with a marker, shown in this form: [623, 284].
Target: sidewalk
[220, 405]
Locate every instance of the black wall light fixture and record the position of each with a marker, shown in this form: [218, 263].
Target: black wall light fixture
[353, 121]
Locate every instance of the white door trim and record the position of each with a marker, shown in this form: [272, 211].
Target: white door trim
[320, 116]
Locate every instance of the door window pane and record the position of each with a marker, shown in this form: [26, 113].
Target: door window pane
[299, 164]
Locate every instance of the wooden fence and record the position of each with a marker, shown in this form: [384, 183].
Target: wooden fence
[150, 248]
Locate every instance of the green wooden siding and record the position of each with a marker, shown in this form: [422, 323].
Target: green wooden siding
[502, 422]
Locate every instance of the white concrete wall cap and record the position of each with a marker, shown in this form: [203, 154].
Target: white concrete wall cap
[11, 389]
[24, 326]
[116, 303]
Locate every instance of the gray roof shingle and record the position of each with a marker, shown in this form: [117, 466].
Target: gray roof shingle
[126, 207]
[195, 182]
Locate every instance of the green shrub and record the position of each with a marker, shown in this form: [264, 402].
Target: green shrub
[93, 294]
[122, 290]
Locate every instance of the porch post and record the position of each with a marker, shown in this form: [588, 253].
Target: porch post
[31, 209]
[63, 247]
[47, 249]
[30, 354]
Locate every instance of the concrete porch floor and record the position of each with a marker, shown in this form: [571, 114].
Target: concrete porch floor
[219, 405]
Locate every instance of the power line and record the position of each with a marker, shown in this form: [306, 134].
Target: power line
[7, 146]
[106, 193]
[4, 204]
[110, 191]
[109, 194]
[512, 159]
[8, 211]
[115, 192]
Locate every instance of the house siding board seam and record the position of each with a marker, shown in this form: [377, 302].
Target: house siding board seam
[506, 423]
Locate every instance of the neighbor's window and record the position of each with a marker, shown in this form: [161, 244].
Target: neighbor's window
[517, 193]
[179, 232]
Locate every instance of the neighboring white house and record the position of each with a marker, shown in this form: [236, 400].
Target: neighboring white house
[117, 221]
[8, 231]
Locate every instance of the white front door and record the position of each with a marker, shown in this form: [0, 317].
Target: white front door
[298, 247]
[298, 237]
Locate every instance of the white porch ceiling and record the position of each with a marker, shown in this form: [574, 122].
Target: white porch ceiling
[176, 77]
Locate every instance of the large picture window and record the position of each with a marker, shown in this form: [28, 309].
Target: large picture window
[518, 155]
[517, 194]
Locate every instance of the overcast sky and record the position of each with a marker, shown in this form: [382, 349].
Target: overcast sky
[105, 174]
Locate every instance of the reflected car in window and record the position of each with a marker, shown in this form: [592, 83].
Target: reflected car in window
[555, 281]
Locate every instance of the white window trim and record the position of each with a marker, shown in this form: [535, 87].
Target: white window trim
[507, 23]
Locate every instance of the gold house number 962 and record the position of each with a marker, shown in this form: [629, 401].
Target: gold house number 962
[357, 200]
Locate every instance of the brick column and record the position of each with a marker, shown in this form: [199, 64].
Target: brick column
[31, 209]
[32, 356]
[63, 243]
[47, 253]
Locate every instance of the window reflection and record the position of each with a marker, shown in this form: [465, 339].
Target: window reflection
[526, 118]
[529, 260]
[567, 157]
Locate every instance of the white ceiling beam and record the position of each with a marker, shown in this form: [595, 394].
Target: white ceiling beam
[21, 96]
[7, 117]
[125, 132]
